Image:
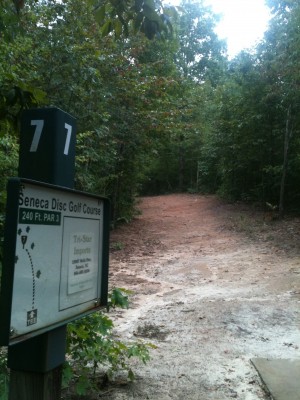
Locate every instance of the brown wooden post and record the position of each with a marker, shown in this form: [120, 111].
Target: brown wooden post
[25, 385]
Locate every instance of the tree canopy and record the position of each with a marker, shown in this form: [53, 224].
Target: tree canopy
[159, 106]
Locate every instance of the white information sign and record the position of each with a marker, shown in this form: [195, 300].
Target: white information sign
[82, 270]
[58, 258]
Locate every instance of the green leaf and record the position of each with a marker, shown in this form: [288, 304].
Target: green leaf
[131, 375]
[67, 375]
[138, 21]
[118, 28]
[119, 298]
[106, 28]
[82, 385]
[150, 13]
[100, 14]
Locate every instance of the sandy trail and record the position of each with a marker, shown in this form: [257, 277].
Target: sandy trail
[214, 286]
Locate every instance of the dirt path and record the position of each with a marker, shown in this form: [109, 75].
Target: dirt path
[214, 286]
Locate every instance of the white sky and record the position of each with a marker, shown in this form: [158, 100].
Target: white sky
[243, 23]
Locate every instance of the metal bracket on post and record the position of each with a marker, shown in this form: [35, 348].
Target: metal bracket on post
[47, 154]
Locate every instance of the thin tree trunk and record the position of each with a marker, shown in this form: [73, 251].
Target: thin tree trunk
[287, 139]
[181, 164]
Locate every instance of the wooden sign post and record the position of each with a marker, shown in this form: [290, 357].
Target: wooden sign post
[47, 154]
[55, 259]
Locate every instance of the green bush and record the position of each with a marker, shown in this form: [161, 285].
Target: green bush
[3, 374]
[91, 345]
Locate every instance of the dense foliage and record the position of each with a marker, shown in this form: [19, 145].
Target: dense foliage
[252, 152]
[160, 115]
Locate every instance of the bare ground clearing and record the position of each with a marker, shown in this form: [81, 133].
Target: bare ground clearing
[214, 286]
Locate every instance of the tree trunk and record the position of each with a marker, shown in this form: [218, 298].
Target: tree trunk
[287, 139]
[181, 165]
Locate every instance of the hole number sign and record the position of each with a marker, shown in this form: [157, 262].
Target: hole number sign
[39, 125]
